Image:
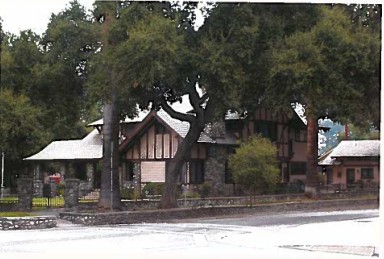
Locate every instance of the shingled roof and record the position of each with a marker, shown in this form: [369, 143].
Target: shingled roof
[352, 148]
[181, 127]
[357, 148]
[90, 147]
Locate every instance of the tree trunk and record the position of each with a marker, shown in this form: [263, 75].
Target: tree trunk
[110, 186]
[312, 183]
[173, 170]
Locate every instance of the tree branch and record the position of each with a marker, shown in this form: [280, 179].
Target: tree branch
[204, 98]
[176, 115]
[195, 100]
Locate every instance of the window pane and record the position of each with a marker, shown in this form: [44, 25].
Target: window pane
[367, 173]
[196, 171]
[298, 168]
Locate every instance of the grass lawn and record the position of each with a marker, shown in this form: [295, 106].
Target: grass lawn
[15, 214]
[43, 202]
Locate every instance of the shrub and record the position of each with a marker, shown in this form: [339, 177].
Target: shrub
[153, 189]
[254, 165]
[60, 189]
[129, 194]
[205, 190]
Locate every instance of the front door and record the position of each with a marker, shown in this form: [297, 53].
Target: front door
[350, 176]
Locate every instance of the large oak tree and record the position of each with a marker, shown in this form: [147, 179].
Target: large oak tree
[333, 70]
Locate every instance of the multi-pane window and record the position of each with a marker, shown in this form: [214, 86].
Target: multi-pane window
[300, 135]
[367, 173]
[196, 171]
[298, 168]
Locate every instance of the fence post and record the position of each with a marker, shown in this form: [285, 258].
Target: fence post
[71, 193]
[25, 191]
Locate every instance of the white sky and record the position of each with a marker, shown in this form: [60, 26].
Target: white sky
[32, 14]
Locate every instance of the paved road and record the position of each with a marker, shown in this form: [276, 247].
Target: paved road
[292, 218]
[349, 234]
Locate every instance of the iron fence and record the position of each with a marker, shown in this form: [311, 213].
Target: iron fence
[48, 202]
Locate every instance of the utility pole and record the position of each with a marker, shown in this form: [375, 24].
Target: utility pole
[111, 176]
[2, 174]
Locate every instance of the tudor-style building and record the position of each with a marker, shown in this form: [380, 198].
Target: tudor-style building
[150, 140]
[149, 146]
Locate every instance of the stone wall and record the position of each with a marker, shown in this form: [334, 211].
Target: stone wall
[215, 169]
[130, 205]
[14, 223]
[157, 216]
[200, 203]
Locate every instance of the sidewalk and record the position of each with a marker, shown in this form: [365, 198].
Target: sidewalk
[353, 250]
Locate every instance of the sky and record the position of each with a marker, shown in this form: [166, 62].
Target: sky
[20, 15]
[32, 14]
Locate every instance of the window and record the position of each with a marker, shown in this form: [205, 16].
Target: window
[267, 129]
[300, 135]
[298, 168]
[80, 170]
[367, 173]
[228, 174]
[196, 171]
[129, 171]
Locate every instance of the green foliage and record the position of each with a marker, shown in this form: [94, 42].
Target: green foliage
[205, 189]
[21, 130]
[359, 133]
[153, 189]
[255, 165]
[68, 44]
[51, 70]
[144, 57]
[332, 60]
[234, 47]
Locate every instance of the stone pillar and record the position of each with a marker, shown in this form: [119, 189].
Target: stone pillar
[38, 188]
[25, 191]
[215, 169]
[71, 193]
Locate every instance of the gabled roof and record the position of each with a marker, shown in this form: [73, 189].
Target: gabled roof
[180, 127]
[352, 148]
[325, 158]
[357, 148]
[90, 147]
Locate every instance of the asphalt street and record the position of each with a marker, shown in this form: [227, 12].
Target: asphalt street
[344, 234]
[291, 218]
